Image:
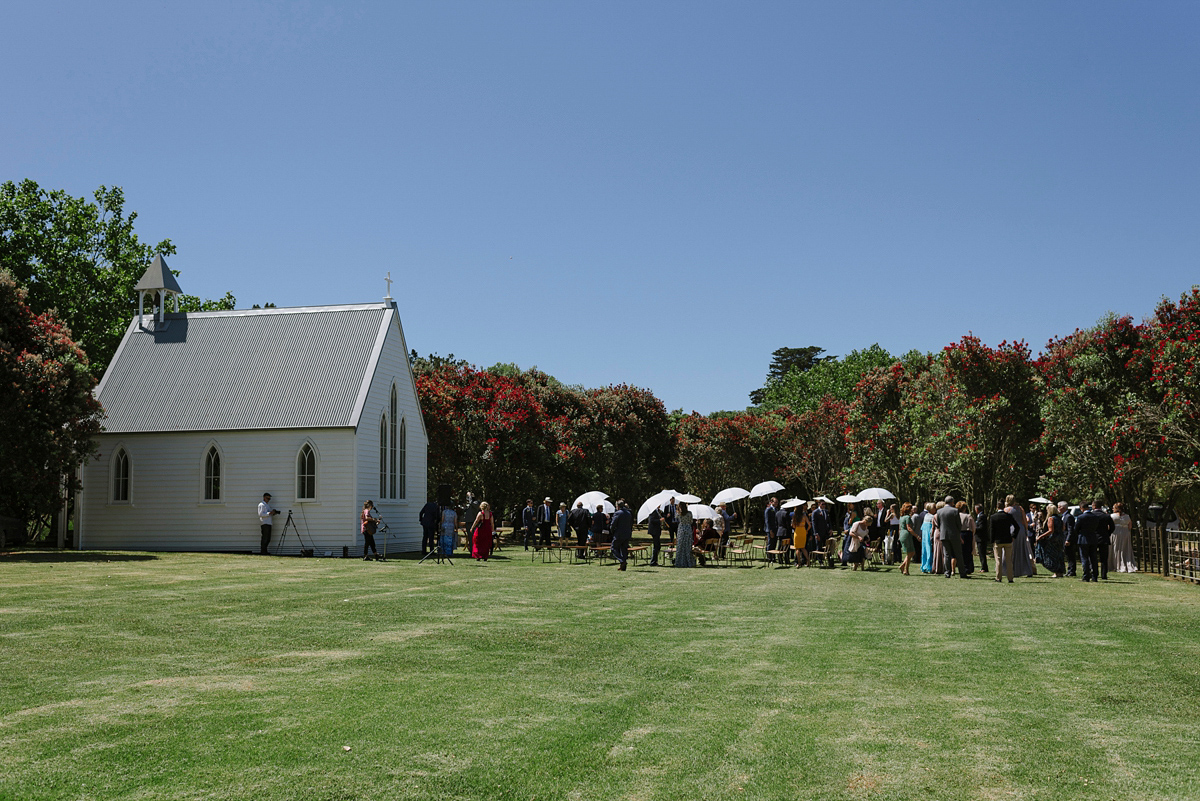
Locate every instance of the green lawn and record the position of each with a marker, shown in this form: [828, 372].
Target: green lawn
[209, 676]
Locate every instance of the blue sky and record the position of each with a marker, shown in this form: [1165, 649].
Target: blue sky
[658, 194]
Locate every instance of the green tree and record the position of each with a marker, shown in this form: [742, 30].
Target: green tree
[784, 361]
[50, 415]
[81, 259]
[803, 390]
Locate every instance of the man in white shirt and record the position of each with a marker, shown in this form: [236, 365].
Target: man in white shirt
[266, 515]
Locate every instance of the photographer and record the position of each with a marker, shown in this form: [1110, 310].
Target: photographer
[266, 516]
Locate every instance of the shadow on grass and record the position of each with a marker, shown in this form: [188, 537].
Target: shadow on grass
[74, 556]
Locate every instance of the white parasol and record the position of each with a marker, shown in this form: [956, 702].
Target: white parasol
[701, 511]
[847, 499]
[792, 503]
[655, 501]
[822, 498]
[608, 507]
[1040, 499]
[590, 500]
[730, 495]
[765, 488]
[683, 497]
[876, 494]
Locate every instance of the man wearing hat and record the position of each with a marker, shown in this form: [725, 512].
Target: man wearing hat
[545, 520]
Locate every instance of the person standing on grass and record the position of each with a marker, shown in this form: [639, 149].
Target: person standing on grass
[428, 518]
[560, 518]
[1050, 543]
[906, 536]
[683, 538]
[1089, 529]
[368, 524]
[726, 526]
[967, 528]
[1121, 559]
[529, 523]
[599, 526]
[266, 516]
[800, 529]
[622, 532]
[771, 526]
[1070, 551]
[481, 533]
[447, 528]
[654, 525]
[820, 525]
[1022, 553]
[545, 517]
[579, 520]
[981, 537]
[950, 535]
[1001, 531]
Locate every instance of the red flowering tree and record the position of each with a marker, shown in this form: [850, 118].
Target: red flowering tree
[879, 437]
[50, 416]
[1097, 385]
[976, 422]
[816, 453]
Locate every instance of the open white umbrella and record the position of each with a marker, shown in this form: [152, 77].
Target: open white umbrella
[876, 494]
[1040, 499]
[683, 497]
[792, 503]
[847, 499]
[655, 501]
[822, 498]
[590, 499]
[730, 495]
[701, 511]
[765, 488]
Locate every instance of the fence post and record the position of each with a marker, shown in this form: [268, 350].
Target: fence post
[1164, 550]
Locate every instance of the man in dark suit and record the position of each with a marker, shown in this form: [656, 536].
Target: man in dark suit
[1091, 528]
[529, 523]
[545, 521]
[621, 528]
[981, 537]
[654, 527]
[429, 521]
[1070, 550]
[820, 525]
[770, 523]
[579, 520]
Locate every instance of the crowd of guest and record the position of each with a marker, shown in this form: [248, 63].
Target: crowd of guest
[942, 538]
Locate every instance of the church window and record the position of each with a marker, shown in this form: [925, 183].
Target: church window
[306, 473]
[392, 453]
[120, 477]
[383, 447]
[212, 475]
[403, 459]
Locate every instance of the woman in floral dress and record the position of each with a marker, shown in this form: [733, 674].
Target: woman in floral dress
[683, 539]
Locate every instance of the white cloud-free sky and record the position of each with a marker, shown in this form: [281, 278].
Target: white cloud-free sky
[650, 193]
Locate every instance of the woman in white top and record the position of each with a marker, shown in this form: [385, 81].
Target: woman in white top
[859, 533]
[1120, 556]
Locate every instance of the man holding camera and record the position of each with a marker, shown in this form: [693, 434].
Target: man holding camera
[266, 516]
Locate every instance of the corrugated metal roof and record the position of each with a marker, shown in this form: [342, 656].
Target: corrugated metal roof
[220, 371]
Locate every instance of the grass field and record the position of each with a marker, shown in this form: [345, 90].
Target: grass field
[234, 677]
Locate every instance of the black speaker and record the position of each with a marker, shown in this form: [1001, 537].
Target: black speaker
[443, 494]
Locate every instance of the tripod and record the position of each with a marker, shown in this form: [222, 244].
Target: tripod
[383, 529]
[437, 552]
[289, 523]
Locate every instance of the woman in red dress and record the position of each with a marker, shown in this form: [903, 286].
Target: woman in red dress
[481, 544]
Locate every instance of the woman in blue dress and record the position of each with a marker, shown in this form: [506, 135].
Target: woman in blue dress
[927, 540]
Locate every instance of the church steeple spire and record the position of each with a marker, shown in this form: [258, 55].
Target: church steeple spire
[159, 279]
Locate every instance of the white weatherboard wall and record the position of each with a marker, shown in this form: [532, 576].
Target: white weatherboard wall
[167, 510]
[400, 514]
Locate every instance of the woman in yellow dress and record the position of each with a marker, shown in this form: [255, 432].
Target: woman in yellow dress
[801, 525]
